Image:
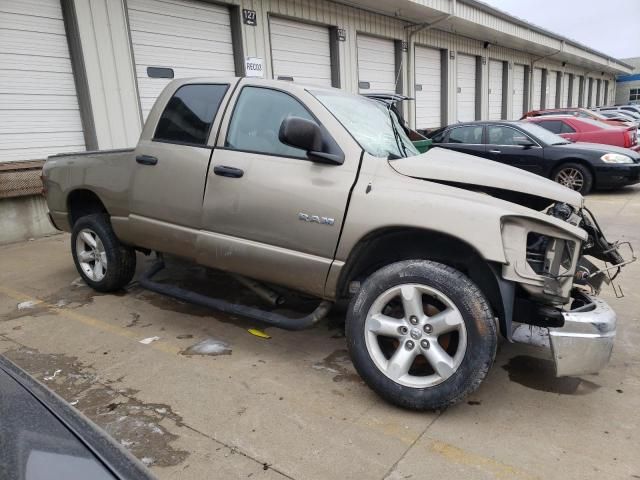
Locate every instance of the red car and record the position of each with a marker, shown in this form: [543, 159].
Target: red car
[588, 130]
[576, 112]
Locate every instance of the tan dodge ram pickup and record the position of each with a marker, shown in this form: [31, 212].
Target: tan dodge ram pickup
[322, 192]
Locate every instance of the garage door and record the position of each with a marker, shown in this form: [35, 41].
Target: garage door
[564, 95]
[537, 89]
[300, 51]
[192, 38]
[466, 88]
[376, 65]
[428, 87]
[575, 92]
[495, 90]
[39, 113]
[591, 92]
[518, 92]
[552, 87]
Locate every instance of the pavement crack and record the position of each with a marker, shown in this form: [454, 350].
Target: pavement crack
[408, 449]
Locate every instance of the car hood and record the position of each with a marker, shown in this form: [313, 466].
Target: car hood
[475, 173]
[598, 148]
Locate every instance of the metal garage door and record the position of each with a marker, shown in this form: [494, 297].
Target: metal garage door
[39, 113]
[300, 51]
[495, 90]
[376, 64]
[466, 81]
[552, 87]
[564, 95]
[537, 89]
[192, 38]
[575, 92]
[428, 87]
[591, 92]
[518, 92]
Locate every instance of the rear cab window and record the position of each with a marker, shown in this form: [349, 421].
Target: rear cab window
[189, 114]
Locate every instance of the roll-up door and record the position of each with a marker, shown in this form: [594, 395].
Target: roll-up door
[537, 89]
[591, 92]
[376, 64]
[428, 87]
[564, 95]
[552, 78]
[495, 90]
[575, 94]
[39, 112]
[191, 38]
[518, 92]
[300, 51]
[466, 91]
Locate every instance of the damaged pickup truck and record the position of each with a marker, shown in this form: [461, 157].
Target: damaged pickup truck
[322, 192]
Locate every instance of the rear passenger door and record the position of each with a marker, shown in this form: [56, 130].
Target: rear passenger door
[465, 139]
[165, 196]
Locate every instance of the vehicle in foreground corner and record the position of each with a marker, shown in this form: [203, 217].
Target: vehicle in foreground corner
[591, 131]
[320, 191]
[579, 166]
[42, 437]
[576, 112]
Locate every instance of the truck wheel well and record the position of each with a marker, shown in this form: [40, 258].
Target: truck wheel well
[83, 202]
[396, 244]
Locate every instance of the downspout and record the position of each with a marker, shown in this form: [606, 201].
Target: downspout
[421, 27]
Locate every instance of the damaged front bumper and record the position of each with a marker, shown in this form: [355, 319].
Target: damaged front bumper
[583, 344]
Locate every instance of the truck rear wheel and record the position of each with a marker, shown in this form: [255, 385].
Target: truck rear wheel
[102, 261]
[421, 334]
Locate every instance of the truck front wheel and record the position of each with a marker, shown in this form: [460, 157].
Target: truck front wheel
[103, 262]
[421, 334]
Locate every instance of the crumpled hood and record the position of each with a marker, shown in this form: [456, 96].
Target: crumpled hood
[460, 169]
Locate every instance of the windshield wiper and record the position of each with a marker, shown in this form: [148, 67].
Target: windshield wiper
[396, 134]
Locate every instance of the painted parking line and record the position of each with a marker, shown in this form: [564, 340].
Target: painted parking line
[89, 321]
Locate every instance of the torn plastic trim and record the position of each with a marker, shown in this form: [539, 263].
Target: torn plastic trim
[271, 318]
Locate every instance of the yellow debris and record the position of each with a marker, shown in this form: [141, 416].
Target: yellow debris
[258, 333]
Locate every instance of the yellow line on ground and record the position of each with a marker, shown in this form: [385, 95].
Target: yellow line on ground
[489, 465]
[89, 321]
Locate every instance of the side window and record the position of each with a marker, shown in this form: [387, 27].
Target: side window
[188, 116]
[438, 137]
[566, 128]
[497, 135]
[256, 121]
[554, 126]
[471, 134]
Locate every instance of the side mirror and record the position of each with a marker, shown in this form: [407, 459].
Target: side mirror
[306, 135]
[523, 141]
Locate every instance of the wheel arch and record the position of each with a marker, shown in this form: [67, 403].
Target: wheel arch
[81, 202]
[389, 245]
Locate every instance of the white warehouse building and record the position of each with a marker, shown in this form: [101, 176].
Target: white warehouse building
[83, 74]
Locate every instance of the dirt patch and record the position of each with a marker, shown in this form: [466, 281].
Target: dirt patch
[340, 365]
[138, 426]
[539, 374]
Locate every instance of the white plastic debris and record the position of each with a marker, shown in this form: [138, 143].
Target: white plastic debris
[27, 304]
[51, 377]
[75, 402]
[208, 346]
[147, 341]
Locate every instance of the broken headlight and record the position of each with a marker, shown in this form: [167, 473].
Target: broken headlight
[549, 256]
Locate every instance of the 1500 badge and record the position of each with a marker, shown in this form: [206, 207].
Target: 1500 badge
[305, 217]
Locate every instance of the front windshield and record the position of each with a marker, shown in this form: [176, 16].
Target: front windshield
[370, 124]
[543, 134]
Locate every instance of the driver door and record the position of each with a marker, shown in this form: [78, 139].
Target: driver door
[503, 146]
[269, 212]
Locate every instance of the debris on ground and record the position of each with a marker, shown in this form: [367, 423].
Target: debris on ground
[27, 304]
[208, 346]
[147, 341]
[258, 333]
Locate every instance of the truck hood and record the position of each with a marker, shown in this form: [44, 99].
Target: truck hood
[478, 174]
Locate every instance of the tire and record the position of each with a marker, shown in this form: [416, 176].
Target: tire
[93, 238]
[377, 341]
[574, 176]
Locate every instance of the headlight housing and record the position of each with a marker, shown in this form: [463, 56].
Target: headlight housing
[615, 158]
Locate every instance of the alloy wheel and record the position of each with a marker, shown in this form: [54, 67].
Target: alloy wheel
[571, 178]
[91, 254]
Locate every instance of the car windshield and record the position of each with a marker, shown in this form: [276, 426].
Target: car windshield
[543, 134]
[375, 128]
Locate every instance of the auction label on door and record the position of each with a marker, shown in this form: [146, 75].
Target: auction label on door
[254, 67]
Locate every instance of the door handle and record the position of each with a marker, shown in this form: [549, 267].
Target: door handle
[495, 151]
[231, 172]
[146, 160]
